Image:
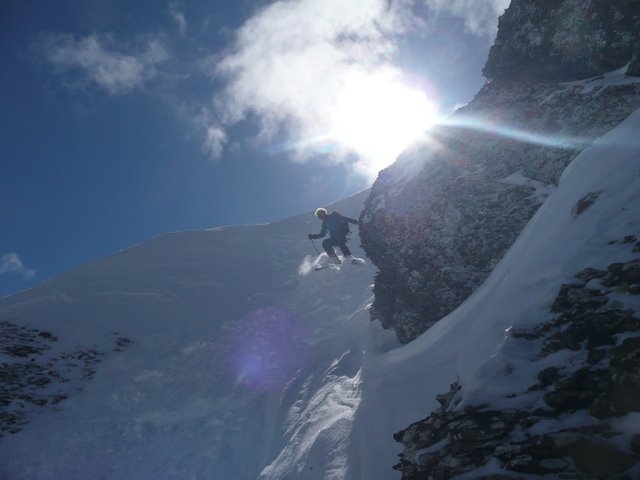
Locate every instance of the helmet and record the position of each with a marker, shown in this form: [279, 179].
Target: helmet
[321, 212]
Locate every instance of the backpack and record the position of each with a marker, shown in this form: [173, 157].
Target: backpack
[342, 226]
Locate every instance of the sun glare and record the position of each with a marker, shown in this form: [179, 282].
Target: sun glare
[377, 116]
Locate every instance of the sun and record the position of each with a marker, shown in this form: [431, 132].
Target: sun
[377, 116]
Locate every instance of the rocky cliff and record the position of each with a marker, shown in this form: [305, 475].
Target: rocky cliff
[565, 40]
[576, 421]
[441, 217]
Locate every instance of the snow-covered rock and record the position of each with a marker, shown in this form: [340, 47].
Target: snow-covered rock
[559, 397]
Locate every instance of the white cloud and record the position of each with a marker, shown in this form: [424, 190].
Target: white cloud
[292, 60]
[293, 56]
[101, 61]
[214, 141]
[178, 17]
[480, 16]
[11, 263]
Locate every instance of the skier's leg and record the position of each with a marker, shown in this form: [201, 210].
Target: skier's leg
[328, 247]
[343, 246]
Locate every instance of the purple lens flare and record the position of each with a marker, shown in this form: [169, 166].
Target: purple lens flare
[266, 348]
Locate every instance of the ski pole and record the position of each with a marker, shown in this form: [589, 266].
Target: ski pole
[314, 246]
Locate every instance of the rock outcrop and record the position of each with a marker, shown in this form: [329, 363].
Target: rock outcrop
[579, 420]
[565, 39]
[441, 217]
[36, 373]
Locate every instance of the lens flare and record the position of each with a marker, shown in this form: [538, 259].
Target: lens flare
[545, 139]
[266, 349]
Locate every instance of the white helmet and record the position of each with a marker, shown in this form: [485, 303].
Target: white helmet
[321, 212]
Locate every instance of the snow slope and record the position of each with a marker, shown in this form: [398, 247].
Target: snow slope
[243, 368]
[222, 320]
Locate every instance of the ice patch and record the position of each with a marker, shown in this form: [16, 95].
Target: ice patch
[542, 191]
[601, 82]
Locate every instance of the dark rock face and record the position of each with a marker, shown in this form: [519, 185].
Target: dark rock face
[599, 387]
[36, 374]
[565, 39]
[439, 219]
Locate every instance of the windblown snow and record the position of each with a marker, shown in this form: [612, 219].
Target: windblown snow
[248, 364]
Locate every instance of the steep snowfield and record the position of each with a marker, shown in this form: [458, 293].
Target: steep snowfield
[221, 321]
[243, 368]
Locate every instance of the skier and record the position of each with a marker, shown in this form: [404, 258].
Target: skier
[338, 228]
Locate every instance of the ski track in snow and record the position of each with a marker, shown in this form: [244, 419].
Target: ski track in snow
[169, 407]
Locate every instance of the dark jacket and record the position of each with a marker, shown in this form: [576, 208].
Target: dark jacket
[337, 225]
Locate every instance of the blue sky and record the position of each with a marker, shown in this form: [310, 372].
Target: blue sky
[124, 120]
